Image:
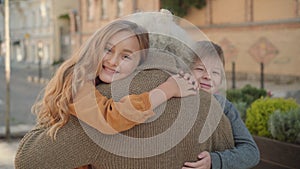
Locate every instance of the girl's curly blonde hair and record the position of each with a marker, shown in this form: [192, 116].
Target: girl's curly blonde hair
[52, 109]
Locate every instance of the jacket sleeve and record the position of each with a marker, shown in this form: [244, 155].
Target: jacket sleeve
[245, 154]
[107, 116]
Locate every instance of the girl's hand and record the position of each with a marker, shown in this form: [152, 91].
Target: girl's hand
[174, 86]
[183, 85]
[204, 162]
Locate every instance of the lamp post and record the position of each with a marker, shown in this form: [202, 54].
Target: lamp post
[233, 75]
[40, 54]
[7, 69]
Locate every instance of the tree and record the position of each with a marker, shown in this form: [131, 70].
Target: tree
[181, 7]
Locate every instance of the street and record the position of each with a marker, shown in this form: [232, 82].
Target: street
[7, 153]
[23, 94]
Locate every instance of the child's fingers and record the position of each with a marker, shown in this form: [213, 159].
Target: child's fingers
[193, 164]
[176, 76]
[194, 82]
[187, 76]
[181, 73]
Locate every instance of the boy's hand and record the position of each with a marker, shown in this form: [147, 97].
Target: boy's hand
[204, 162]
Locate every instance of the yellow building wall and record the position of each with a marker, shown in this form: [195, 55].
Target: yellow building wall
[265, 10]
[235, 11]
[148, 6]
[196, 16]
[286, 41]
[88, 27]
[228, 11]
[231, 21]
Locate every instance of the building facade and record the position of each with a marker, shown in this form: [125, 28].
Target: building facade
[252, 32]
[39, 30]
[93, 14]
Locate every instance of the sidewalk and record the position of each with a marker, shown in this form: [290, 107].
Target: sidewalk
[7, 153]
[9, 148]
[29, 73]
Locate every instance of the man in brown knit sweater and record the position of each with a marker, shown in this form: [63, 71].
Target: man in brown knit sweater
[174, 136]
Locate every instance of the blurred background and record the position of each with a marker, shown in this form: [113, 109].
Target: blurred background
[260, 39]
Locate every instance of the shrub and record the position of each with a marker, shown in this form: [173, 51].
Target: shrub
[241, 107]
[234, 95]
[250, 94]
[260, 110]
[285, 126]
[242, 98]
[247, 94]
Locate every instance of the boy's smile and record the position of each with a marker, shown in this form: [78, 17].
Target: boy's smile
[208, 75]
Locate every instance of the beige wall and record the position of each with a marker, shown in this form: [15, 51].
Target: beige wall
[265, 10]
[286, 41]
[242, 22]
[147, 6]
[90, 26]
[228, 11]
[197, 16]
[276, 21]
[236, 11]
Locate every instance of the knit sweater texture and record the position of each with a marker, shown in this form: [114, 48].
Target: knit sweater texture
[166, 141]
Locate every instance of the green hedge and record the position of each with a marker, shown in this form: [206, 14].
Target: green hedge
[285, 126]
[244, 97]
[260, 110]
[247, 94]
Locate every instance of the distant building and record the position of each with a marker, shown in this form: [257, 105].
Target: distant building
[39, 25]
[251, 32]
[93, 14]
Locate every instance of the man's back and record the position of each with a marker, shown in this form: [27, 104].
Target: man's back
[165, 142]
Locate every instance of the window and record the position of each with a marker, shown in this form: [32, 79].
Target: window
[90, 10]
[135, 6]
[44, 11]
[34, 18]
[103, 7]
[120, 8]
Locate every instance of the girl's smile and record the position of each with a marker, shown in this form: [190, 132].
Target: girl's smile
[120, 58]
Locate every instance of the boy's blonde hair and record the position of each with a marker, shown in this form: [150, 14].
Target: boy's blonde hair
[208, 49]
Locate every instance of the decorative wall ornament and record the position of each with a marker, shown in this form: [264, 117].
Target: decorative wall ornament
[230, 51]
[263, 51]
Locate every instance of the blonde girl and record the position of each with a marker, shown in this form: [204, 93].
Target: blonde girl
[110, 54]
